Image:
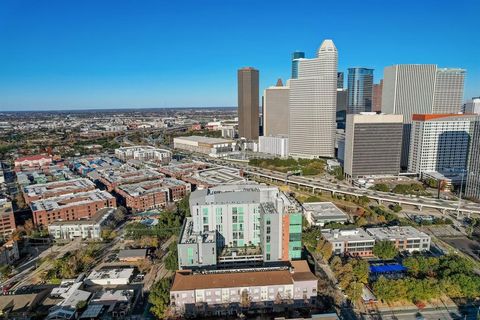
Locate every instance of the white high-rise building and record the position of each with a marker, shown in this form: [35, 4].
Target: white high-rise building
[472, 106]
[410, 89]
[313, 100]
[276, 145]
[440, 142]
[275, 110]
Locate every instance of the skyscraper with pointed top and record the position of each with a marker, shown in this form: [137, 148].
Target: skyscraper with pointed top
[275, 110]
[312, 104]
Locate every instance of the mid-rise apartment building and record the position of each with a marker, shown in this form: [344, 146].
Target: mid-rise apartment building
[356, 242]
[57, 188]
[36, 161]
[405, 238]
[7, 218]
[89, 228]
[225, 292]
[114, 177]
[143, 153]
[70, 206]
[152, 194]
[245, 217]
[373, 145]
[440, 142]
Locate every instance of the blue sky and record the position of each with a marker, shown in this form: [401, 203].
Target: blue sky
[61, 54]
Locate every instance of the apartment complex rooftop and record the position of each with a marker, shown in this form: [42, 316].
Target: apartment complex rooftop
[180, 169]
[335, 235]
[396, 232]
[144, 187]
[190, 236]
[127, 174]
[70, 200]
[47, 190]
[187, 280]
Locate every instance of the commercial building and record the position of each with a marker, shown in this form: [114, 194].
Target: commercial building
[246, 216]
[143, 153]
[70, 206]
[321, 213]
[355, 242]
[472, 106]
[410, 89]
[405, 238]
[152, 194]
[7, 218]
[373, 145]
[71, 294]
[313, 103]
[360, 90]
[36, 161]
[222, 293]
[214, 147]
[110, 277]
[276, 145]
[295, 58]
[109, 304]
[377, 96]
[86, 228]
[132, 255]
[472, 189]
[114, 177]
[276, 110]
[440, 142]
[248, 103]
[340, 80]
[57, 188]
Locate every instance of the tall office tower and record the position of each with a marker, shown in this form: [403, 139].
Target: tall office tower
[360, 85]
[377, 97]
[373, 145]
[420, 89]
[440, 142]
[472, 106]
[472, 189]
[275, 110]
[448, 90]
[342, 103]
[295, 56]
[240, 215]
[339, 80]
[313, 102]
[248, 103]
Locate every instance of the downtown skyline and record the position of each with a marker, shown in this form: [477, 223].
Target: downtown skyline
[92, 56]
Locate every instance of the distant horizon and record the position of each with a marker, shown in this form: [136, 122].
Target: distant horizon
[113, 108]
[64, 55]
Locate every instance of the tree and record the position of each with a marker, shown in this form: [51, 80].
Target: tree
[396, 208]
[363, 201]
[385, 250]
[171, 261]
[381, 187]
[81, 304]
[160, 297]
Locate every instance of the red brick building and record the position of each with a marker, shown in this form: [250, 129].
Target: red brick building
[113, 178]
[7, 218]
[54, 189]
[71, 206]
[36, 161]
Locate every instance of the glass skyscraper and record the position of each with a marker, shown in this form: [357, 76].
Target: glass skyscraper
[360, 87]
[295, 56]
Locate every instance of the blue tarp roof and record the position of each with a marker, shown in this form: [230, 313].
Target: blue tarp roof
[388, 268]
